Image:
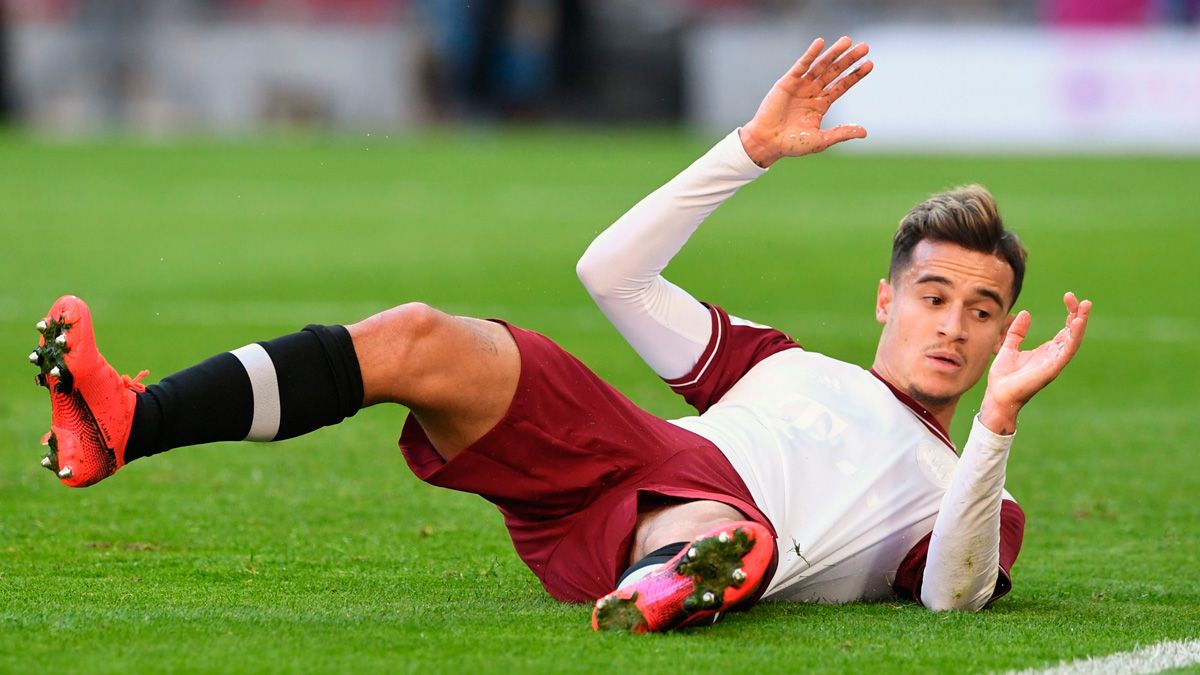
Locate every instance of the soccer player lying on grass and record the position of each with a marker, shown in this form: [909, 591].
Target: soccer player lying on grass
[802, 477]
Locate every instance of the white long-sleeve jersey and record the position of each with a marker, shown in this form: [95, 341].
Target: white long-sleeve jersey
[862, 485]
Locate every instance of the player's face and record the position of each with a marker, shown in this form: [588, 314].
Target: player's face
[944, 317]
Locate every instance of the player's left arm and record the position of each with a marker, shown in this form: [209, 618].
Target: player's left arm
[964, 559]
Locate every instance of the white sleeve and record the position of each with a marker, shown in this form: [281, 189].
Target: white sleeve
[964, 552]
[622, 268]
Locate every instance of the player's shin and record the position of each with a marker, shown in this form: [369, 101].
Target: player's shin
[264, 391]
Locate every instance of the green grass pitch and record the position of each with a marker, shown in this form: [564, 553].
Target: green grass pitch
[325, 554]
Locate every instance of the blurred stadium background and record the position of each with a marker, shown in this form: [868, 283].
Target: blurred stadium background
[1057, 75]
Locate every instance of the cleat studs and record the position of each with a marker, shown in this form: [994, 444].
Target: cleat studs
[708, 598]
[61, 340]
[691, 554]
[55, 372]
[34, 357]
[46, 461]
[41, 325]
[738, 576]
[723, 537]
[64, 472]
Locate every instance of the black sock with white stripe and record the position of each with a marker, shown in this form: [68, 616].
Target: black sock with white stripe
[264, 391]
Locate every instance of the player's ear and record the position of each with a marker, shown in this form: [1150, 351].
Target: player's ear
[883, 301]
[1003, 333]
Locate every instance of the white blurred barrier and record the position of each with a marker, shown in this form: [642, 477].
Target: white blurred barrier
[951, 88]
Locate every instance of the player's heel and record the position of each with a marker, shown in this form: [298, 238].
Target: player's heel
[51, 459]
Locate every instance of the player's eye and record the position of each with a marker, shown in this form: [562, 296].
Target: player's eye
[933, 300]
[982, 314]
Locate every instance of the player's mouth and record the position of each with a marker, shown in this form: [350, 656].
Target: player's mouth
[944, 361]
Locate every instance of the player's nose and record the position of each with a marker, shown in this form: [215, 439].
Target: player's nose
[952, 325]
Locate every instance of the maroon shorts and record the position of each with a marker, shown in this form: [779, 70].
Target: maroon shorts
[568, 466]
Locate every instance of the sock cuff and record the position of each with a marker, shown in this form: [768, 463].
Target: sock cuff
[656, 557]
[343, 364]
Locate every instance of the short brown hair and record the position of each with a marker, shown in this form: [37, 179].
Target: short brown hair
[966, 216]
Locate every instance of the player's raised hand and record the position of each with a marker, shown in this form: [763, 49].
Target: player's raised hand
[1016, 376]
[788, 121]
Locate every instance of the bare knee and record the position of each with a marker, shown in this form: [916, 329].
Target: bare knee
[395, 346]
[456, 374]
[401, 326]
[440, 366]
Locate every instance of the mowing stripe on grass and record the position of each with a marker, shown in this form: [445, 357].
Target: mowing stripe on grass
[1157, 329]
[1160, 329]
[1152, 659]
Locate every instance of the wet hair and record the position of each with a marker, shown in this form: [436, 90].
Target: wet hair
[966, 216]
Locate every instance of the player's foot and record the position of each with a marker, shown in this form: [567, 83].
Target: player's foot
[91, 406]
[718, 570]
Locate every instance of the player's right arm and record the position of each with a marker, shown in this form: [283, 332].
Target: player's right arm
[622, 269]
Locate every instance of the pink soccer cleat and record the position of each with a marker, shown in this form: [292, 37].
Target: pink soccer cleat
[718, 570]
[91, 406]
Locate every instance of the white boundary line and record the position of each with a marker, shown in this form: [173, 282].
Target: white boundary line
[1153, 659]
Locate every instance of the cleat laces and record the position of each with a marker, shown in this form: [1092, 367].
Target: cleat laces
[135, 382]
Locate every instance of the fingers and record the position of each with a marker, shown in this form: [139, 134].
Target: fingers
[1078, 323]
[823, 63]
[1071, 302]
[1017, 331]
[1077, 315]
[842, 133]
[843, 85]
[801, 66]
[824, 68]
[1070, 337]
[842, 64]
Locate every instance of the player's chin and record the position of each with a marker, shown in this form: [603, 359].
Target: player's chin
[936, 390]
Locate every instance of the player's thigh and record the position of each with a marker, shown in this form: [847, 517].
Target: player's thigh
[475, 391]
[457, 374]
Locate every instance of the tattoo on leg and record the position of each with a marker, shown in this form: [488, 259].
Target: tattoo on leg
[482, 339]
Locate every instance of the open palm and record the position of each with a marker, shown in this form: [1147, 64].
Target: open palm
[1015, 376]
[788, 121]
